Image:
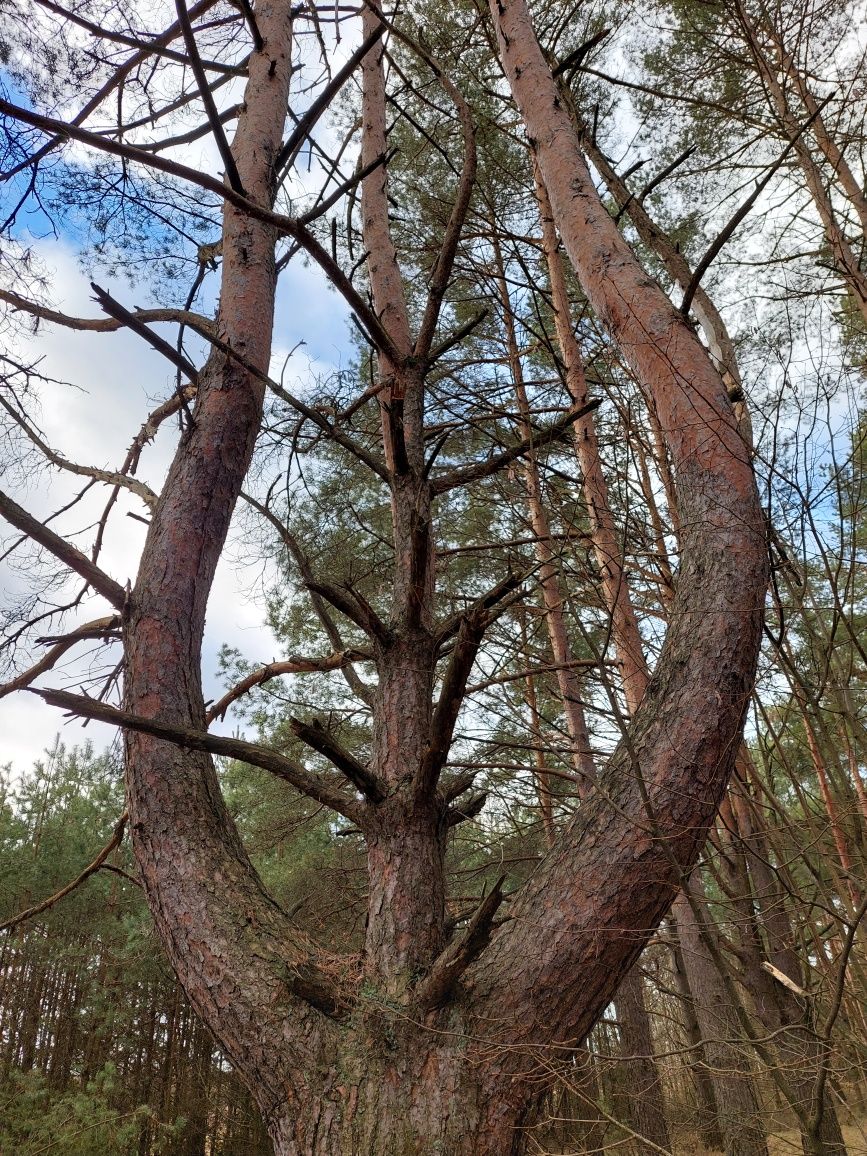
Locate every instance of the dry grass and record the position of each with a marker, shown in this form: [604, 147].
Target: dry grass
[789, 1143]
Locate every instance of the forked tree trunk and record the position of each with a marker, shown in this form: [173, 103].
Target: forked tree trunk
[431, 1053]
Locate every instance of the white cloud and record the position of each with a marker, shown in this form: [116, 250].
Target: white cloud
[115, 382]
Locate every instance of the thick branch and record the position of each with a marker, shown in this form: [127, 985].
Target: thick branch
[63, 551]
[362, 778]
[461, 660]
[434, 989]
[469, 809]
[493, 598]
[207, 97]
[444, 262]
[99, 628]
[271, 670]
[195, 740]
[542, 437]
[576, 56]
[350, 603]
[107, 324]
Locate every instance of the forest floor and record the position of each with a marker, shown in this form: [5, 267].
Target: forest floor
[789, 1143]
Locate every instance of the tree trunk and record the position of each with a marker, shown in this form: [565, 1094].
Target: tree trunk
[769, 73]
[786, 1017]
[708, 1110]
[436, 1050]
[730, 1069]
[645, 1101]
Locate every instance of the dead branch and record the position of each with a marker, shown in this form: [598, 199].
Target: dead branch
[434, 989]
[91, 869]
[196, 740]
[63, 551]
[294, 665]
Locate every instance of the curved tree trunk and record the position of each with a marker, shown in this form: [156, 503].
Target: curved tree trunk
[442, 1047]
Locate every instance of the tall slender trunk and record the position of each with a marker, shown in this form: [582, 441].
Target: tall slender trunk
[629, 649]
[828, 146]
[543, 778]
[720, 344]
[844, 257]
[786, 1017]
[549, 571]
[708, 1109]
[700, 969]
[841, 842]
[732, 1074]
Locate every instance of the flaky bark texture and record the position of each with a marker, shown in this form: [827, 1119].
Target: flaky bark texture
[231, 947]
[439, 1049]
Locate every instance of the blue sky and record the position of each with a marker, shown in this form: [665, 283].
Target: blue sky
[115, 381]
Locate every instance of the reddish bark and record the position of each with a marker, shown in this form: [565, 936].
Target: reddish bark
[770, 72]
[701, 973]
[668, 779]
[606, 542]
[231, 947]
[645, 1103]
[368, 1070]
[549, 571]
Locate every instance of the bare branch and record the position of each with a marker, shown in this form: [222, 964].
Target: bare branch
[114, 309]
[107, 324]
[725, 234]
[271, 670]
[207, 97]
[332, 431]
[362, 778]
[434, 989]
[285, 225]
[462, 476]
[63, 551]
[110, 477]
[113, 843]
[196, 740]
[115, 80]
[307, 122]
[356, 685]
[98, 628]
